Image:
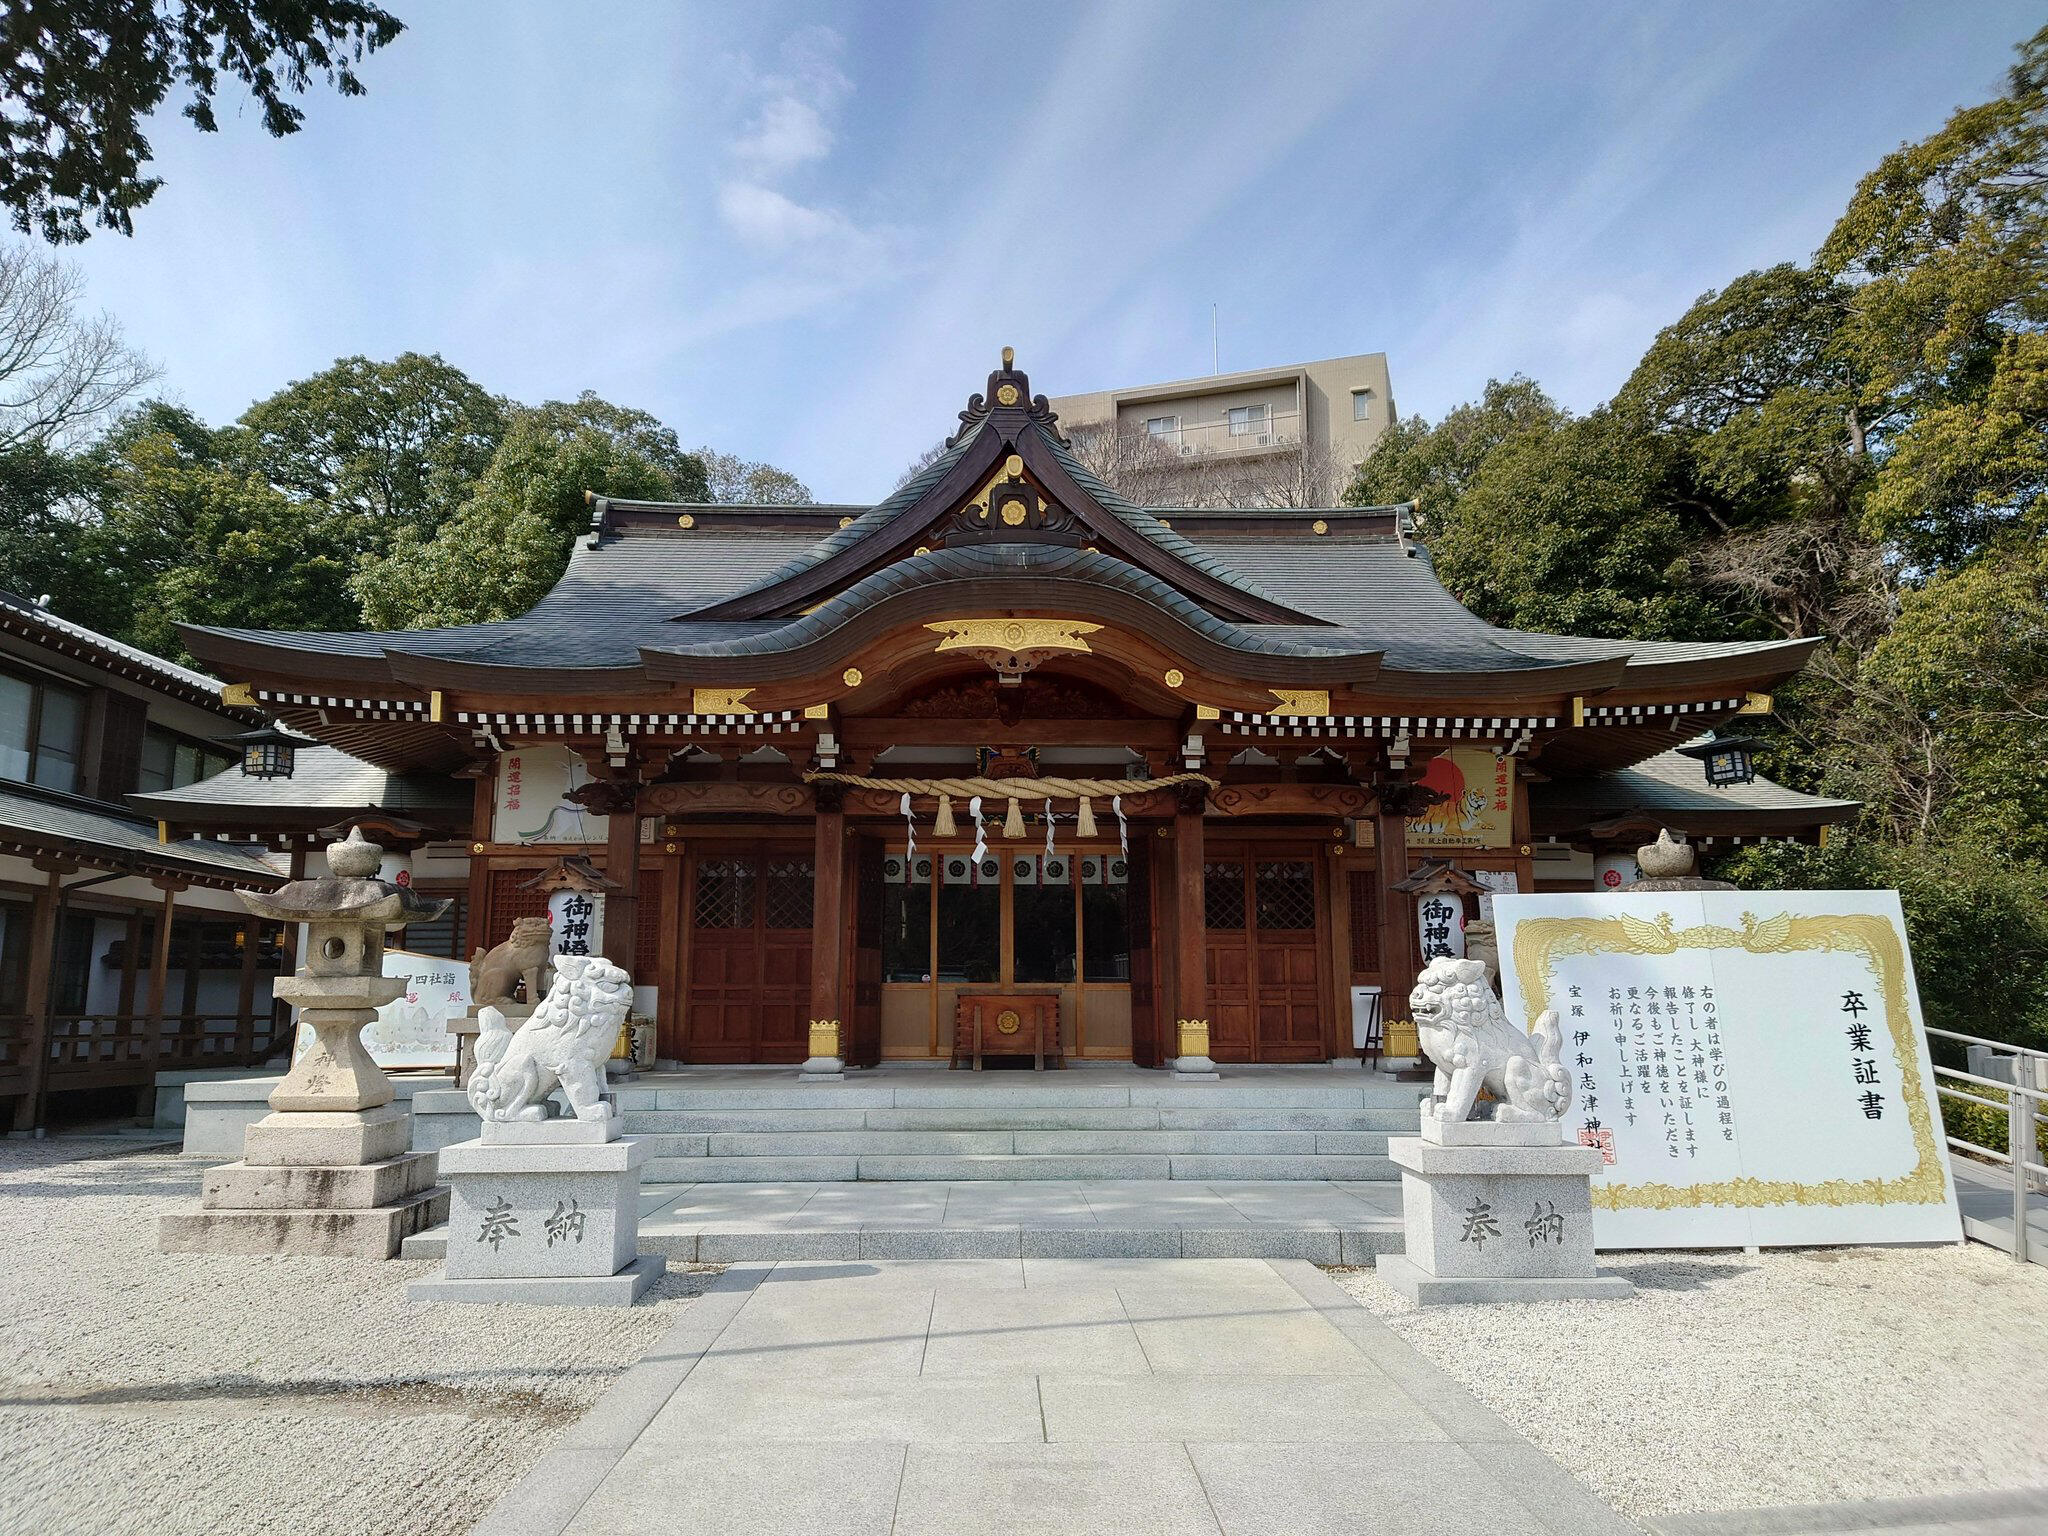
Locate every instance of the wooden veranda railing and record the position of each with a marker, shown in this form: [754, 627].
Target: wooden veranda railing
[120, 1050]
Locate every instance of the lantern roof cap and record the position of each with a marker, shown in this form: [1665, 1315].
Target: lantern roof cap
[349, 892]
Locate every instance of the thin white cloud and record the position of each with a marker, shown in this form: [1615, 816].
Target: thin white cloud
[786, 133]
[768, 220]
[802, 255]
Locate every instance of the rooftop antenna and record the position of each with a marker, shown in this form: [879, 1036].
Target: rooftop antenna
[1215, 352]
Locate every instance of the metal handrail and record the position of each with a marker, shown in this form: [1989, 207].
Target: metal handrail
[2022, 1108]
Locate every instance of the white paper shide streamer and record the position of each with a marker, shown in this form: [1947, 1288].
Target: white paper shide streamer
[980, 832]
[1123, 827]
[1048, 827]
[910, 827]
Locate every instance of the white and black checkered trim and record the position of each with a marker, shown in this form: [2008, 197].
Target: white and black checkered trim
[771, 722]
[1234, 722]
[367, 709]
[1650, 714]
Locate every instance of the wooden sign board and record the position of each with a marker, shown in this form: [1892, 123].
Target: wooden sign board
[1753, 1063]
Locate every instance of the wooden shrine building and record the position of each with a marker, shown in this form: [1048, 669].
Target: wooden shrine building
[1203, 747]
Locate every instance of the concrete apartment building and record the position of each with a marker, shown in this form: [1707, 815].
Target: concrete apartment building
[1330, 412]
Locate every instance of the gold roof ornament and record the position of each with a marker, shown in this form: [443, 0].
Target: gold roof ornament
[1013, 634]
[1300, 701]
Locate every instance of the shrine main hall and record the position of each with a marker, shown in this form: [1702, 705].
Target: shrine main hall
[1159, 782]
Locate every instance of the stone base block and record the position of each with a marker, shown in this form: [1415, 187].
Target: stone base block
[560, 1131]
[619, 1290]
[371, 1234]
[822, 1069]
[275, 1187]
[327, 1139]
[542, 1212]
[1425, 1289]
[1492, 1133]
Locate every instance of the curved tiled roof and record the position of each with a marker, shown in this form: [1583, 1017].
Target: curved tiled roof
[322, 779]
[729, 582]
[1043, 562]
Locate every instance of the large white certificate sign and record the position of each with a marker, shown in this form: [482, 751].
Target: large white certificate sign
[1752, 1064]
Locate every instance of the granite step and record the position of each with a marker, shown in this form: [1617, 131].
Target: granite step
[1024, 1117]
[1318, 1243]
[997, 1142]
[1044, 1091]
[965, 1167]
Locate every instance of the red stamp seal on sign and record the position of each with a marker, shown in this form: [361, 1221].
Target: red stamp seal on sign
[1603, 1139]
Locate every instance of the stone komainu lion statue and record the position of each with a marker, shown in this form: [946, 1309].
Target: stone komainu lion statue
[566, 1042]
[1468, 1036]
[494, 975]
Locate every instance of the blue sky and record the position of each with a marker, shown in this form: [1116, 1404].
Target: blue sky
[802, 233]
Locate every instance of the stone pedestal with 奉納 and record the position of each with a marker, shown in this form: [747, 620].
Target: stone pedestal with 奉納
[329, 1170]
[547, 1213]
[545, 1205]
[1495, 1206]
[1495, 1212]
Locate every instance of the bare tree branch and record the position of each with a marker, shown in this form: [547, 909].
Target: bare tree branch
[62, 371]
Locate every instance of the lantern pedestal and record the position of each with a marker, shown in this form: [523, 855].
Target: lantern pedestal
[329, 1171]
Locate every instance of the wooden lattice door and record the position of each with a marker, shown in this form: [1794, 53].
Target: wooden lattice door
[749, 909]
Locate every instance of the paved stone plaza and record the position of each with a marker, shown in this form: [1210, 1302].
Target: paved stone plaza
[1067, 1397]
[174, 1418]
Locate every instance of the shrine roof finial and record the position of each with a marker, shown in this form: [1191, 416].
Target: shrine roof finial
[1009, 389]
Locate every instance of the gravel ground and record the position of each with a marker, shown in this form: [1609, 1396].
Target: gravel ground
[1795, 1377]
[173, 1393]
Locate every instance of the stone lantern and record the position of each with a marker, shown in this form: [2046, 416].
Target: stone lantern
[342, 983]
[329, 1170]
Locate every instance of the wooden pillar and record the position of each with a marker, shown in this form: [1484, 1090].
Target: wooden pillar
[829, 1021]
[1337, 955]
[245, 997]
[42, 955]
[483, 812]
[288, 964]
[159, 973]
[1399, 959]
[1191, 959]
[622, 865]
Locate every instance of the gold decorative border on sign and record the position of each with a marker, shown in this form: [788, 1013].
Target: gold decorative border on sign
[1540, 942]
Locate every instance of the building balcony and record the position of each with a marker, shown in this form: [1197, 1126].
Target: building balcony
[1270, 432]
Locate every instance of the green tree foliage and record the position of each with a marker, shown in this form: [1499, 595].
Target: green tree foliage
[1434, 467]
[1854, 449]
[1540, 520]
[1946, 245]
[1565, 528]
[1946, 736]
[507, 544]
[44, 538]
[377, 447]
[196, 536]
[77, 78]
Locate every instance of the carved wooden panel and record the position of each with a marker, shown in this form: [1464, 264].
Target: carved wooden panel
[725, 799]
[1290, 800]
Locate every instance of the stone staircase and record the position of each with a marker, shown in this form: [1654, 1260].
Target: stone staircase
[1074, 1125]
